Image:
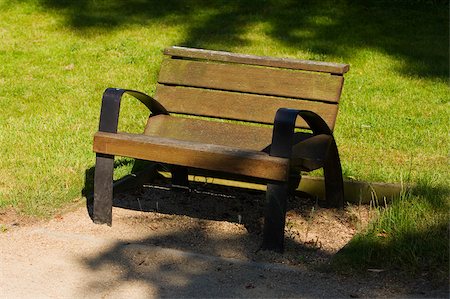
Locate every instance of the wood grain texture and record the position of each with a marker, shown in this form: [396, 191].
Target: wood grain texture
[308, 65]
[251, 79]
[192, 154]
[210, 132]
[237, 106]
[308, 152]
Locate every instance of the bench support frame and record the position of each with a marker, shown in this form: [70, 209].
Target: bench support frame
[104, 164]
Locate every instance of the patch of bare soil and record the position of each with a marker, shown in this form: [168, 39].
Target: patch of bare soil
[10, 218]
[227, 221]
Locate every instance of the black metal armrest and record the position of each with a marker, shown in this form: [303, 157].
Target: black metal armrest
[109, 115]
[284, 125]
[282, 142]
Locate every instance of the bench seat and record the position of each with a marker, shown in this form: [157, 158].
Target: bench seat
[308, 154]
[193, 154]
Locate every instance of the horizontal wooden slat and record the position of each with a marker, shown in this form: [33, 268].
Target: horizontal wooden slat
[192, 154]
[308, 65]
[238, 106]
[251, 79]
[212, 132]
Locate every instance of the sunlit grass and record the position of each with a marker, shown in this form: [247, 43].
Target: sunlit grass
[51, 81]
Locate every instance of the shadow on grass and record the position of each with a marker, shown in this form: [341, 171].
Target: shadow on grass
[413, 32]
[411, 234]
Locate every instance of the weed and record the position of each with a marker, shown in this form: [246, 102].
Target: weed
[309, 222]
[3, 228]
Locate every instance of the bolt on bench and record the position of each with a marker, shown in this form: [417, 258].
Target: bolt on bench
[232, 114]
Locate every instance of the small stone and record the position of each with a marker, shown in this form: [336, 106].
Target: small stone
[69, 67]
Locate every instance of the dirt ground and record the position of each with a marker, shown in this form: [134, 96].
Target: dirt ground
[202, 243]
[313, 234]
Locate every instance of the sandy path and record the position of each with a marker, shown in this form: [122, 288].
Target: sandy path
[70, 257]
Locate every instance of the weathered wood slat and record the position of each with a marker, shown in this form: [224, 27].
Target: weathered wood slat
[251, 79]
[308, 152]
[237, 106]
[308, 65]
[192, 154]
[209, 132]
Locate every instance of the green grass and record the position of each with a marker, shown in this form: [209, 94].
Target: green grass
[57, 57]
[409, 234]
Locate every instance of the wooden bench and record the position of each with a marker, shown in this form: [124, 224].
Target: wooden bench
[231, 114]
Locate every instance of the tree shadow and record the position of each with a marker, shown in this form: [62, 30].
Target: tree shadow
[187, 262]
[154, 271]
[182, 273]
[437, 196]
[415, 33]
[407, 246]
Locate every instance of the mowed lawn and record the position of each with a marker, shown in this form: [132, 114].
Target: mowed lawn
[57, 57]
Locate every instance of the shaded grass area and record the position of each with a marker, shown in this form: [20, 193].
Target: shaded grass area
[410, 234]
[412, 31]
[57, 57]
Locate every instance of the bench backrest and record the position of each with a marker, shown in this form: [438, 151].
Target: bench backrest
[249, 88]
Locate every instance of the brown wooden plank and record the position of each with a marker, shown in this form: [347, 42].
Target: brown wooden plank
[210, 132]
[191, 154]
[238, 106]
[308, 152]
[251, 79]
[308, 65]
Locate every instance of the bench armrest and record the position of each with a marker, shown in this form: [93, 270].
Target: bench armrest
[282, 143]
[284, 125]
[109, 115]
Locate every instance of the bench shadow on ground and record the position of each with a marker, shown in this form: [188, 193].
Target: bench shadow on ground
[152, 193]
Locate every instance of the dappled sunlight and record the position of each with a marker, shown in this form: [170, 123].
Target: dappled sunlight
[335, 29]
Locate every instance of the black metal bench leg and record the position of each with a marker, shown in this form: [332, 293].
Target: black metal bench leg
[103, 189]
[334, 184]
[180, 176]
[274, 221]
[294, 182]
